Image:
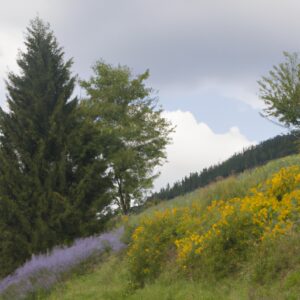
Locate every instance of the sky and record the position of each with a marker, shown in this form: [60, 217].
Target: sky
[204, 57]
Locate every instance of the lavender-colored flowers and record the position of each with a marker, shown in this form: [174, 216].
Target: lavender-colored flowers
[42, 271]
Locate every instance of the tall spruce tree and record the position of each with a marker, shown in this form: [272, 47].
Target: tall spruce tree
[52, 177]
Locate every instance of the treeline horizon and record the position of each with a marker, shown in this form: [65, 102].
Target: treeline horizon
[253, 156]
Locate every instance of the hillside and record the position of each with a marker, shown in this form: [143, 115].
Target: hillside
[254, 156]
[244, 262]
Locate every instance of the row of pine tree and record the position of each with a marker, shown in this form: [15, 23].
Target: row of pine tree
[277, 147]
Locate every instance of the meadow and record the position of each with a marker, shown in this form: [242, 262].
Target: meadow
[237, 238]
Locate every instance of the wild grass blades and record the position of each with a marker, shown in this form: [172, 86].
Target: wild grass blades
[43, 270]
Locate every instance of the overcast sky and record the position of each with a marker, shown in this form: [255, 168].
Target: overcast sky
[205, 58]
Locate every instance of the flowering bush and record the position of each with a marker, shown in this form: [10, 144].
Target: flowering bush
[149, 249]
[44, 270]
[217, 239]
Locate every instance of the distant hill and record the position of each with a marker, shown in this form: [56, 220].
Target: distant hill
[277, 147]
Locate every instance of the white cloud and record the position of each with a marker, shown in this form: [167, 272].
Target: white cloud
[195, 146]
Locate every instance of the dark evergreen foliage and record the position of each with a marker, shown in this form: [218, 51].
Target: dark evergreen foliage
[51, 172]
[279, 146]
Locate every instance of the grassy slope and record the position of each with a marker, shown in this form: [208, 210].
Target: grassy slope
[109, 280]
[224, 189]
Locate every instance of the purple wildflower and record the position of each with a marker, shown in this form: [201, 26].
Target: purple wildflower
[44, 270]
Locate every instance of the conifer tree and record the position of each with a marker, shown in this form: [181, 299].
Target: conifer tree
[51, 174]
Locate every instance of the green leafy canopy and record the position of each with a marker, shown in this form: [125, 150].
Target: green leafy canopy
[280, 91]
[123, 110]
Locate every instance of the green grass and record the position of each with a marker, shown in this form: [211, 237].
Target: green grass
[234, 186]
[106, 281]
[277, 278]
[273, 271]
[109, 281]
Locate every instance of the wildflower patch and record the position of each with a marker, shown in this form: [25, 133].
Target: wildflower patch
[215, 240]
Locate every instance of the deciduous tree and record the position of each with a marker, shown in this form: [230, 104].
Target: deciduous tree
[124, 111]
[280, 91]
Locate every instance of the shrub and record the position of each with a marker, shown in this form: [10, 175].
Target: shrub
[215, 241]
[44, 270]
[152, 242]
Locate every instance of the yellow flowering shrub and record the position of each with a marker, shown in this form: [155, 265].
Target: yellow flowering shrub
[217, 239]
[151, 242]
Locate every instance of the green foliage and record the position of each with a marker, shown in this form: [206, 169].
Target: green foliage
[50, 179]
[126, 116]
[280, 91]
[215, 241]
[110, 280]
[271, 271]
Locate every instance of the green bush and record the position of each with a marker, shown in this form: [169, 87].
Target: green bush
[216, 241]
